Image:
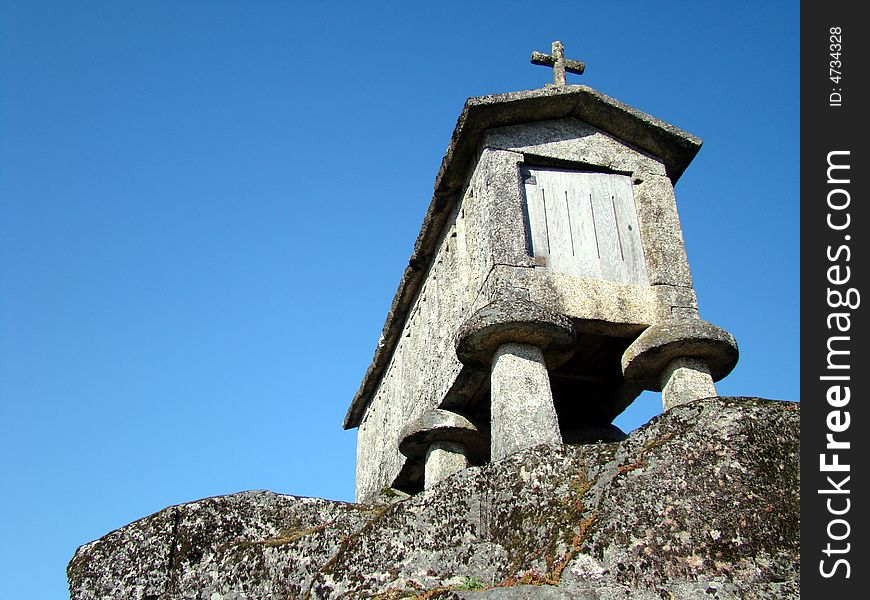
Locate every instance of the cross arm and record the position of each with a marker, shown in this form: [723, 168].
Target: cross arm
[572, 66]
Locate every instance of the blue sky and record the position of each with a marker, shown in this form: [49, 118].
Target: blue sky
[205, 209]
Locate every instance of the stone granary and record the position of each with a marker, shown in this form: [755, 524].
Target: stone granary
[549, 286]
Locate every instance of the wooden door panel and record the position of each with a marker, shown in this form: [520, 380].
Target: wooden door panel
[585, 224]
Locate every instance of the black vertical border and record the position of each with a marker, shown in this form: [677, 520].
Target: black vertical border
[826, 128]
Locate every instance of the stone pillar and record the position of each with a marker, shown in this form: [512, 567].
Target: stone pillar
[680, 358]
[443, 459]
[517, 341]
[685, 380]
[445, 441]
[522, 408]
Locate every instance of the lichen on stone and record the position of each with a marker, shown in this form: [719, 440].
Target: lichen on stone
[703, 501]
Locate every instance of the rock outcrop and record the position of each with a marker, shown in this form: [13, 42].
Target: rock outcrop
[703, 501]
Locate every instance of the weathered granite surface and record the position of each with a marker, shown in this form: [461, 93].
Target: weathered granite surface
[701, 502]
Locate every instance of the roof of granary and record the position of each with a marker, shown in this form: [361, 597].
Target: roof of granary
[673, 146]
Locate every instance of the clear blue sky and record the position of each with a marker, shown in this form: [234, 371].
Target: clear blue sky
[205, 209]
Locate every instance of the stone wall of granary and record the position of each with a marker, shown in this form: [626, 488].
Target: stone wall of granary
[424, 363]
[483, 256]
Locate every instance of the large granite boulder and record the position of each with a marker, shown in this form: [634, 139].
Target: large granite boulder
[703, 501]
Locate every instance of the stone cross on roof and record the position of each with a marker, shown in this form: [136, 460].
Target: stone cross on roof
[559, 63]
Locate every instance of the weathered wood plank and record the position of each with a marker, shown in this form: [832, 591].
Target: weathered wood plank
[634, 265]
[537, 218]
[561, 237]
[609, 250]
[588, 262]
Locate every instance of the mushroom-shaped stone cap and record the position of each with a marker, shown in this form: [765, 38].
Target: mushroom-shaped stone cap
[647, 357]
[439, 425]
[515, 321]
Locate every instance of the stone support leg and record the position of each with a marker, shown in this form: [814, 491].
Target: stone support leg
[443, 459]
[523, 414]
[684, 380]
